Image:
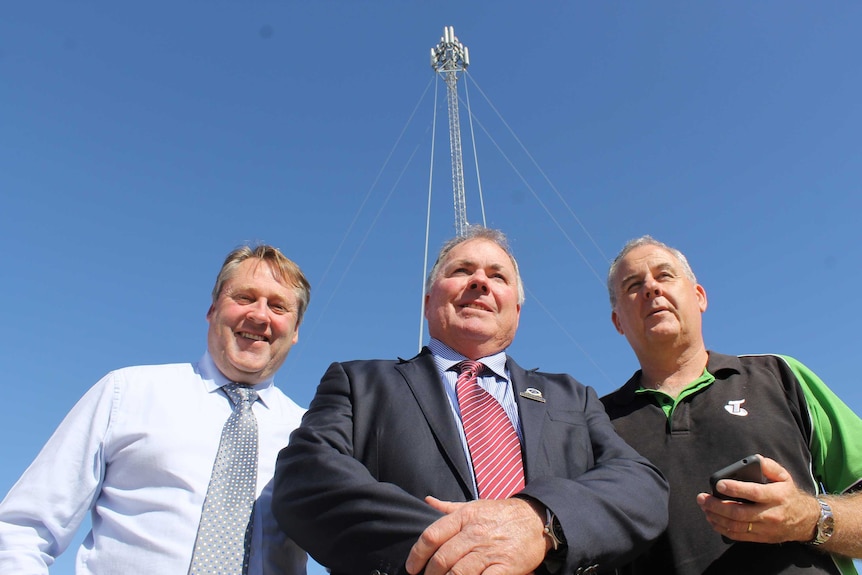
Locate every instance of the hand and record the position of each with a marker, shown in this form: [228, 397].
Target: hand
[495, 537]
[778, 511]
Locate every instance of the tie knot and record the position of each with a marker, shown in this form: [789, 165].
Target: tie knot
[239, 394]
[473, 368]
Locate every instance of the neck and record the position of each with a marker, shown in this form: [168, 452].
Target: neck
[671, 373]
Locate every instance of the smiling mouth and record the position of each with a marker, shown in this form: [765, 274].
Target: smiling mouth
[474, 306]
[252, 336]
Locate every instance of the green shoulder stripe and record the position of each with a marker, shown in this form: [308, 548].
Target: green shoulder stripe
[835, 446]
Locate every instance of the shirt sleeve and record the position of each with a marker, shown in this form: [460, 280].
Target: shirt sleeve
[835, 447]
[42, 512]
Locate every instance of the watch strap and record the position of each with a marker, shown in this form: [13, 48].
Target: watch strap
[553, 530]
[825, 524]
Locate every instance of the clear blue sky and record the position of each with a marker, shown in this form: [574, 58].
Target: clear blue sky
[139, 144]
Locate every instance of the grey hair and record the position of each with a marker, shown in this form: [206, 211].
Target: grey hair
[636, 243]
[476, 232]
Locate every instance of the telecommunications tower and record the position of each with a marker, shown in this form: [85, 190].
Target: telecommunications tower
[449, 58]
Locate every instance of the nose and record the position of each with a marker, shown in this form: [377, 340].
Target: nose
[258, 311]
[652, 288]
[479, 281]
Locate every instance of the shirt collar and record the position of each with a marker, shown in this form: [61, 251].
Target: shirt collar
[718, 366]
[215, 379]
[445, 358]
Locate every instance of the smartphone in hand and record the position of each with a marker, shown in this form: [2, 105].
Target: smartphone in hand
[746, 469]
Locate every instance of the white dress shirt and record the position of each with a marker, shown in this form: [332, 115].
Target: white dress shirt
[137, 452]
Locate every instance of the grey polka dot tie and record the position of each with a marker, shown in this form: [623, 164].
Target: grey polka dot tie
[224, 533]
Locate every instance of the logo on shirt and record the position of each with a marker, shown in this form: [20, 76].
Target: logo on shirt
[734, 407]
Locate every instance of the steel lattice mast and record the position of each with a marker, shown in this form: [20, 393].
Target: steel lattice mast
[448, 58]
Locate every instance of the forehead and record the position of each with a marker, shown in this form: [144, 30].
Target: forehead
[257, 274]
[479, 251]
[646, 257]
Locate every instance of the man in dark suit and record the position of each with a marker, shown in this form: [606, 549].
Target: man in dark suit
[387, 474]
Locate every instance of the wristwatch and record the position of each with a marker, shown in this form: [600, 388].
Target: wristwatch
[554, 530]
[825, 525]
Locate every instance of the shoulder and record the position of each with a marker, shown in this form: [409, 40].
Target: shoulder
[368, 364]
[144, 371]
[555, 386]
[624, 394]
[147, 373]
[754, 366]
[360, 368]
[382, 366]
[145, 378]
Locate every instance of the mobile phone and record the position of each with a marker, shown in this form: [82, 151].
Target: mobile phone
[746, 469]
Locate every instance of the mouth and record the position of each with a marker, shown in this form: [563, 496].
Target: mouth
[474, 305]
[657, 311]
[251, 336]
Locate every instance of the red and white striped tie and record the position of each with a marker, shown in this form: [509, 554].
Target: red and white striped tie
[491, 438]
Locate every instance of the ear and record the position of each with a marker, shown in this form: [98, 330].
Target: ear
[210, 312]
[701, 297]
[425, 305]
[617, 324]
[295, 336]
[517, 316]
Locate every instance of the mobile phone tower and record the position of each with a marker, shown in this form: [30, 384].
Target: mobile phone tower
[450, 58]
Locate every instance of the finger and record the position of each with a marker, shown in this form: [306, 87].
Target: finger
[470, 564]
[434, 536]
[457, 556]
[444, 506]
[721, 509]
[447, 560]
[773, 471]
[731, 529]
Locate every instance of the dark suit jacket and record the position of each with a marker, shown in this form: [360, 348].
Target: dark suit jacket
[380, 435]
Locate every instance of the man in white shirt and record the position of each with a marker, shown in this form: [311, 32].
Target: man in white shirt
[138, 450]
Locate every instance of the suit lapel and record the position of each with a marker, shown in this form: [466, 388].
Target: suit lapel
[421, 376]
[531, 411]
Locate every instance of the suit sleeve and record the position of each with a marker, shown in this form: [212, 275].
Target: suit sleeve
[326, 499]
[613, 510]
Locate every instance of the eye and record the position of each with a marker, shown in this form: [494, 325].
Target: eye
[278, 309]
[243, 298]
[634, 286]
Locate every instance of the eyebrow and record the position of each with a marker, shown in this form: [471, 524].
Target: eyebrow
[461, 262]
[629, 278]
[664, 266]
[465, 262]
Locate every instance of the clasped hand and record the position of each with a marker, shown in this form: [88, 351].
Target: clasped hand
[495, 537]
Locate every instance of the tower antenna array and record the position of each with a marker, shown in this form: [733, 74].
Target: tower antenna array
[448, 58]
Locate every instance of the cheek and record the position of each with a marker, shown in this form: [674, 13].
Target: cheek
[622, 319]
[285, 328]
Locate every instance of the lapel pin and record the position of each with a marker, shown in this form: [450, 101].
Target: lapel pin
[532, 393]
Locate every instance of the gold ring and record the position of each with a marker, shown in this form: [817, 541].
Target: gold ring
[749, 528]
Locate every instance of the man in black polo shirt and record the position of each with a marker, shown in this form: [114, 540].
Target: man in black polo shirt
[692, 411]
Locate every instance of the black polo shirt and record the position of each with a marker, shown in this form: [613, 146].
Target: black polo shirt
[754, 405]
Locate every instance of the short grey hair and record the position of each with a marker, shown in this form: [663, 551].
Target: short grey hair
[476, 232]
[636, 243]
